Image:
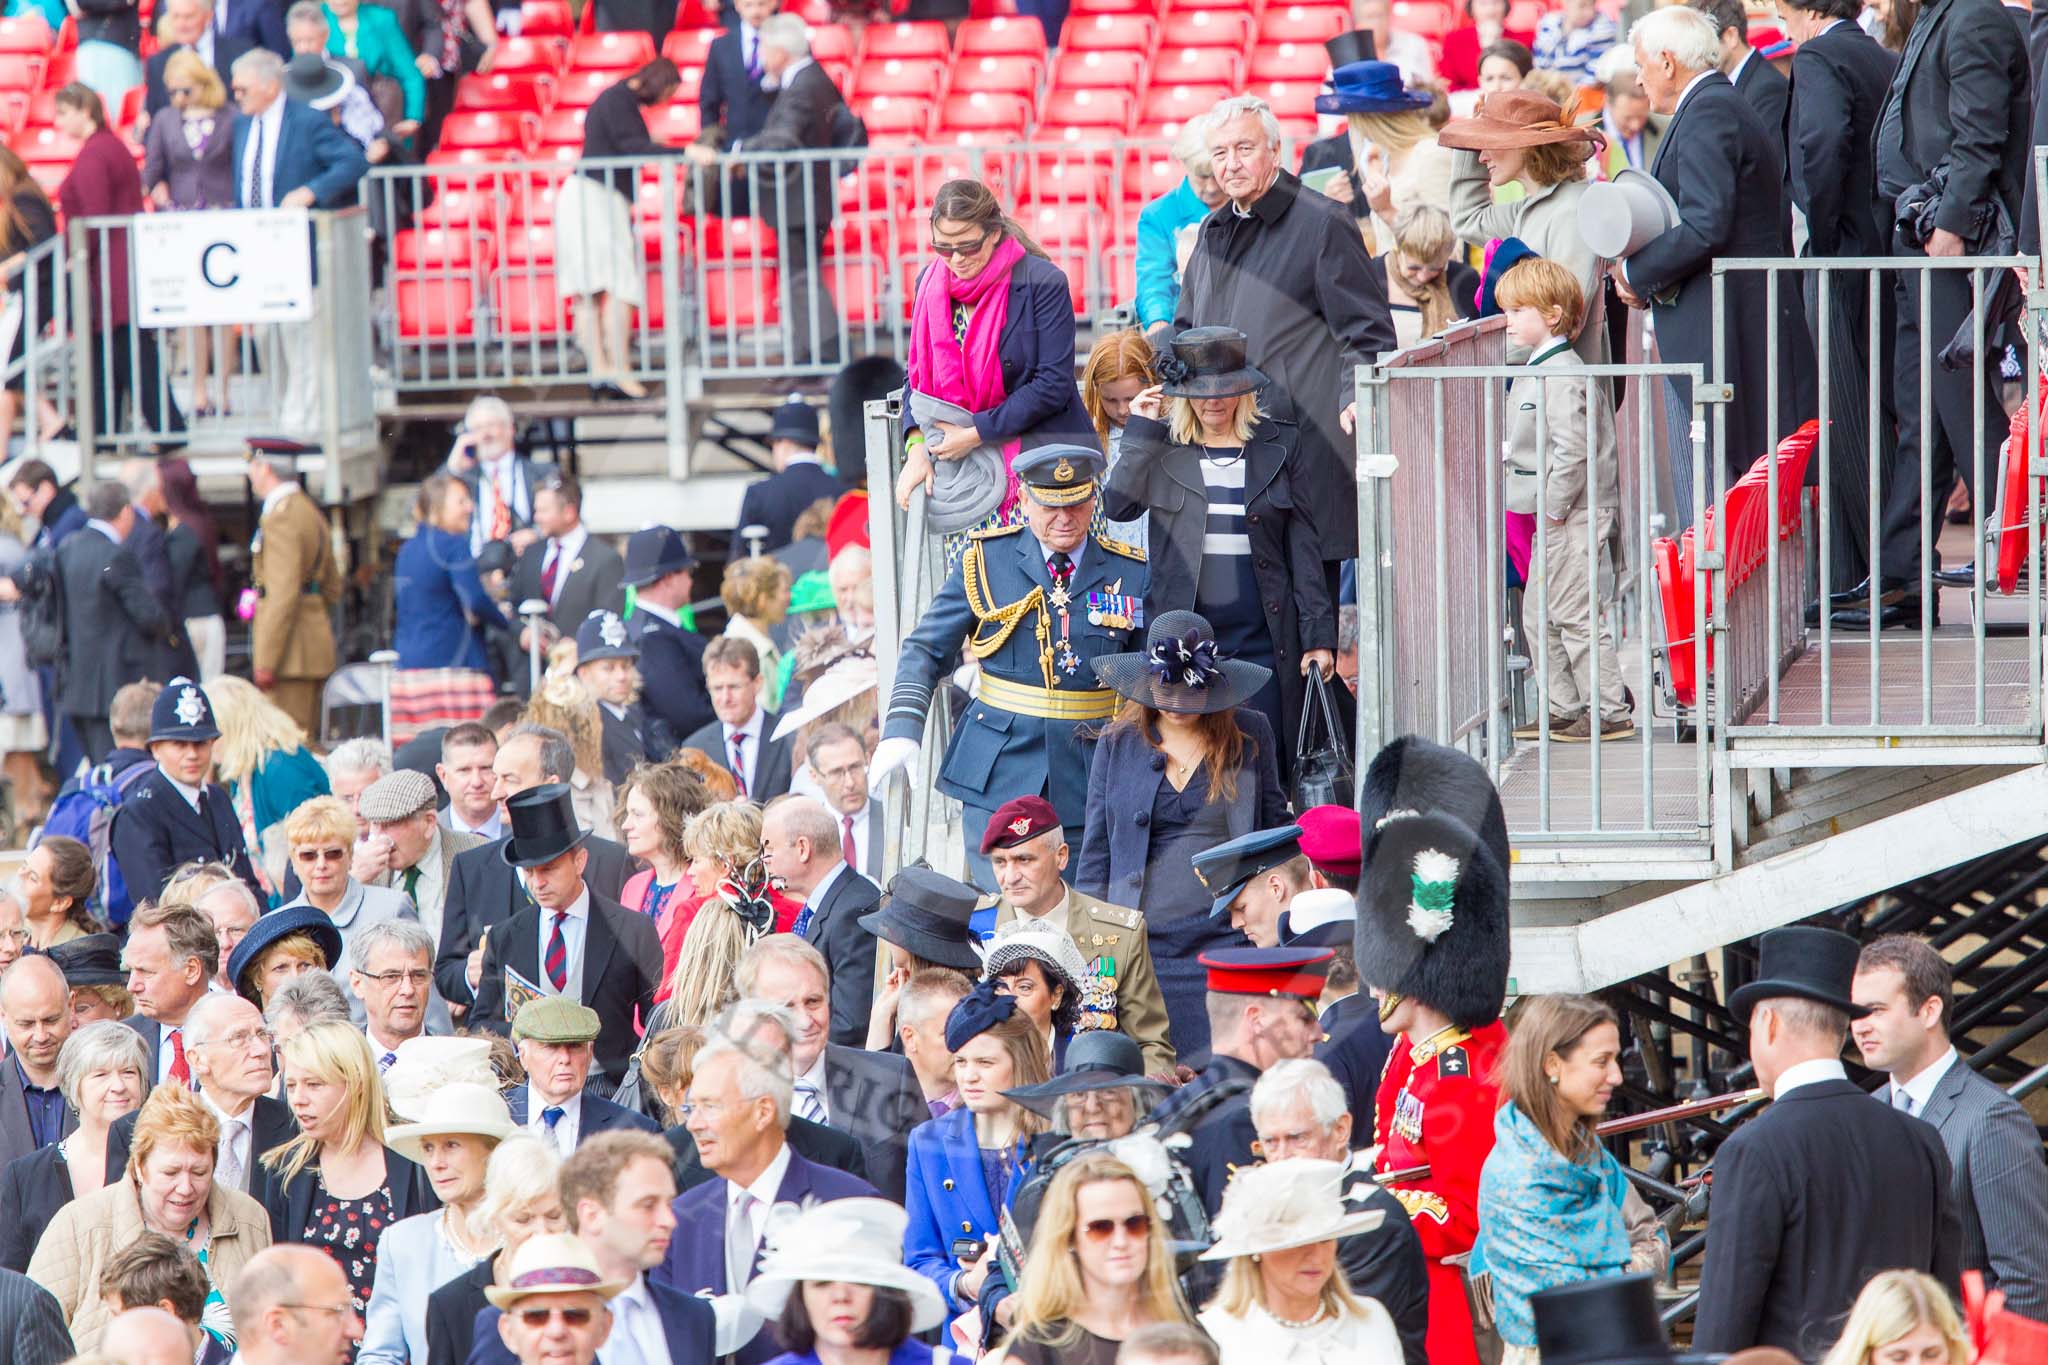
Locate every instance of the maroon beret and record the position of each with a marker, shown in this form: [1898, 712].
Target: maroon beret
[1018, 821]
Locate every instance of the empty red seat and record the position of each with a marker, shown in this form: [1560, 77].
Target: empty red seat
[860, 235]
[460, 209]
[436, 309]
[418, 250]
[1206, 28]
[1107, 33]
[1672, 564]
[1305, 23]
[467, 167]
[1112, 69]
[524, 304]
[527, 55]
[1091, 8]
[992, 9]
[998, 76]
[738, 239]
[528, 93]
[855, 285]
[1000, 38]
[1289, 99]
[1179, 103]
[622, 52]
[533, 244]
[580, 89]
[1055, 224]
[1150, 172]
[1080, 176]
[1106, 110]
[739, 296]
[689, 46]
[20, 71]
[531, 199]
[544, 19]
[45, 145]
[921, 41]
[676, 123]
[1197, 66]
[61, 68]
[26, 33]
[1430, 19]
[1289, 61]
[887, 115]
[490, 130]
[996, 115]
[562, 127]
[896, 76]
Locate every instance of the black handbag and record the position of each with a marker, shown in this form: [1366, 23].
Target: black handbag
[1322, 766]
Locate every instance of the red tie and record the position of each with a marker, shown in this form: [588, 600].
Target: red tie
[501, 511]
[739, 761]
[547, 572]
[179, 1072]
[846, 848]
[557, 963]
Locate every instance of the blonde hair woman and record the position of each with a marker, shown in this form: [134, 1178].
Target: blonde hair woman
[168, 1188]
[756, 597]
[1100, 1267]
[262, 759]
[188, 165]
[565, 704]
[1902, 1317]
[732, 907]
[1426, 291]
[321, 837]
[336, 1186]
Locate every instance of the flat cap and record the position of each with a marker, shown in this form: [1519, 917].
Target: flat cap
[555, 1019]
[397, 795]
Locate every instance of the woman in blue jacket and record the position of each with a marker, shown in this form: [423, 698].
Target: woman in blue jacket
[1166, 220]
[966, 1167]
[440, 601]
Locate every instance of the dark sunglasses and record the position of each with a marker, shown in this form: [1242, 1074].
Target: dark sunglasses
[176, 90]
[1099, 1229]
[321, 855]
[961, 248]
[538, 1317]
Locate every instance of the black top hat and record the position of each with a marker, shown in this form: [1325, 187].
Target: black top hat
[1356, 46]
[182, 712]
[311, 79]
[604, 636]
[1179, 669]
[93, 960]
[1209, 362]
[653, 554]
[1610, 1321]
[497, 556]
[926, 913]
[1097, 1059]
[1805, 961]
[310, 920]
[796, 421]
[543, 825]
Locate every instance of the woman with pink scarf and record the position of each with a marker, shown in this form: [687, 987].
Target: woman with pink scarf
[991, 334]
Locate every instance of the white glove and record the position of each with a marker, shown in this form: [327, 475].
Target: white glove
[891, 756]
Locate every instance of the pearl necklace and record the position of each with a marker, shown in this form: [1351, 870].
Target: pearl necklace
[1302, 1325]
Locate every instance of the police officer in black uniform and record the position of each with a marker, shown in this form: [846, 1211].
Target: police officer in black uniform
[658, 566]
[175, 815]
[631, 736]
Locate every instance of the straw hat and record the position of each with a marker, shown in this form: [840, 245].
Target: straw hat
[552, 1263]
[845, 679]
[1515, 118]
[848, 1241]
[1284, 1204]
[464, 1109]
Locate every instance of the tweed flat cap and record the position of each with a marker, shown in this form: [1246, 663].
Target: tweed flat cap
[397, 795]
[555, 1019]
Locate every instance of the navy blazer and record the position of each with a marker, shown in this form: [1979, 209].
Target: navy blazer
[689, 1324]
[483, 893]
[255, 23]
[695, 1264]
[312, 153]
[1123, 781]
[814, 1142]
[439, 602]
[155, 831]
[947, 1197]
[728, 95]
[599, 1115]
[778, 500]
[835, 930]
[290, 1204]
[1036, 349]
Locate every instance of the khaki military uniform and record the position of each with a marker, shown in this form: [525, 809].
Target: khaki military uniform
[298, 585]
[1123, 991]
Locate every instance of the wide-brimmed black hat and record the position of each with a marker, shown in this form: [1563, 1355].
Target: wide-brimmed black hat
[926, 913]
[604, 636]
[311, 79]
[1180, 671]
[92, 960]
[309, 920]
[1098, 1059]
[1804, 961]
[795, 421]
[1610, 1321]
[1209, 362]
[653, 554]
[182, 712]
[1356, 46]
[543, 823]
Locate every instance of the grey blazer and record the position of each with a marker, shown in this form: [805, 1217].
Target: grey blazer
[2000, 1184]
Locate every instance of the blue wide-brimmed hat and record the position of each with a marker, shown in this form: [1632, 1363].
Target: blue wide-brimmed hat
[1369, 88]
[278, 924]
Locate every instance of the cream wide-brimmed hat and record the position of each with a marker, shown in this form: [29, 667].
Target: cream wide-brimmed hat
[426, 1065]
[461, 1109]
[1284, 1204]
[552, 1263]
[847, 1241]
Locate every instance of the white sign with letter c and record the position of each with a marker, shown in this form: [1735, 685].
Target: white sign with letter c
[221, 266]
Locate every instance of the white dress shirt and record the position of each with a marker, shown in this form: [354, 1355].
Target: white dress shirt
[747, 738]
[231, 1154]
[573, 929]
[1920, 1089]
[637, 1338]
[493, 828]
[566, 1130]
[270, 124]
[814, 1078]
[565, 549]
[431, 889]
[763, 1188]
[1808, 1073]
[863, 855]
[190, 793]
[815, 902]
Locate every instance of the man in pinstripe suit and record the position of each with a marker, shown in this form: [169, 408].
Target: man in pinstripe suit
[2000, 1181]
[32, 1328]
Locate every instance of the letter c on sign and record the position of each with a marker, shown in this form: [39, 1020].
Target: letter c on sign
[206, 265]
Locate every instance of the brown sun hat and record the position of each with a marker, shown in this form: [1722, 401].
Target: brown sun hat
[1514, 118]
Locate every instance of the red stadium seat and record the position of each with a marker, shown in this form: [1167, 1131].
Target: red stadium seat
[490, 131]
[1179, 103]
[738, 239]
[544, 19]
[510, 94]
[45, 146]
[20, 71]
[436, 309]
[895, 76]
[992, 9]
[1067, 225]
[1289, 61]
[622, 52]
[1149, 173]
[996, 116]
[1197, 66]
[533, 244]
[1289, 99]
[531, 199]
[923, 41]
[864, 234]
[1067, 177]
[855, 285]
[580, 89]
[1106, 113]
[933, 169]
[1206, 28]
[1106, 70]
[1311, 24]
[525, 304]
[998, 76]
[527, 56]
[886, 115]
[1429, 19]
[460, 209]
[562, 127]
[689, 46]
[740, 296]
[468, 167]
[676, 123]
[1524, 15]
[26, 33]
[831, 43]
[1121, 32]
[67, 35]
[439, 249]
[1090, 8]
[1000, 38]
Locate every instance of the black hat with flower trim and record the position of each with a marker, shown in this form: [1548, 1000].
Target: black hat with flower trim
[1179, 669]
[1433, 903]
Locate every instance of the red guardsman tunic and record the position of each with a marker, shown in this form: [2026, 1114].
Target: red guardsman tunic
[1435, 1108]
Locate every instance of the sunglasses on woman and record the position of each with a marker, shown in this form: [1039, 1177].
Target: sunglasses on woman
[538, 1317]
[1100, 1229]
[950, 250]
[321, 855]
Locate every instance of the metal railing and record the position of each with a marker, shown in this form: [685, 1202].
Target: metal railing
[44, 371]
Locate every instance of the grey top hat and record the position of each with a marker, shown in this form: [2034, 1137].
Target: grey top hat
[966, 490]
[1619, 217]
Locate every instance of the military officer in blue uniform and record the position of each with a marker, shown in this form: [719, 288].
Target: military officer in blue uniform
[173, 815]
[658, 566]
[1034, 604]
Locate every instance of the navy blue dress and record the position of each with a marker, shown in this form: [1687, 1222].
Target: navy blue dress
[437, 598]
[1176, 905]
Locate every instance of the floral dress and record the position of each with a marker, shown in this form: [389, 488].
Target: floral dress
[348, 1230]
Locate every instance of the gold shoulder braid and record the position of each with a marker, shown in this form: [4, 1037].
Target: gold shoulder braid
[1004, 620]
